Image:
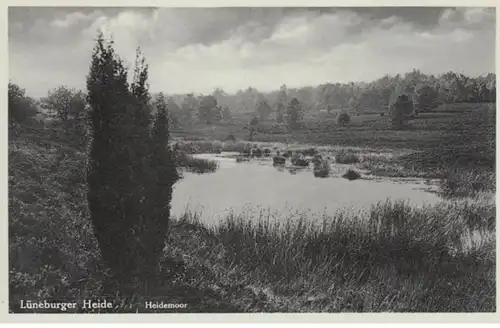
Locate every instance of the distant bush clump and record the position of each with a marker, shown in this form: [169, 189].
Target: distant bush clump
[294, 113]
[351, 175]
[21, 107]
[346, 157]
[231, 137]
[67, 107]
[321, 169]
[425, 98]
[401, 109]
[343, 119]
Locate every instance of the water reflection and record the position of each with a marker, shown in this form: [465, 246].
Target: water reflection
[238, 187]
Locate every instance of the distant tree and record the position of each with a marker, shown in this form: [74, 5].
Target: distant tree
[220, 95]
[21, 107]
[248, 99]
[400, 110]
[254, 121]
[174, 113]
[226, 114]
[493, 94]
[425, 98]
[280, 111]
[217, 114]
[352, 105]
[483, 92]
[206, 108]
[65, 105]
[329, 109]
[189, 106]
[343, 118]
[411, 80]
[263, 110]
[490, 81]
[305, 96]
[283, 94]
[446, 94]
[253, 124]
[294, 113]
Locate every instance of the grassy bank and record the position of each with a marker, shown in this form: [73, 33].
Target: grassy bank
[392, 258]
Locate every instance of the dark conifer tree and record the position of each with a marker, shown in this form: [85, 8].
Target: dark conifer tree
[131, 169]
[109, 173]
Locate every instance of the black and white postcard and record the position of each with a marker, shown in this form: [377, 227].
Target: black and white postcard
[250, 159]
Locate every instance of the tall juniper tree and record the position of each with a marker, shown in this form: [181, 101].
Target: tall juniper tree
[108, 96]
[164, 175]
[139, 149]
[125, 161]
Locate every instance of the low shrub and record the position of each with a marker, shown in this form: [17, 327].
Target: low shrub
[351, 175]
[345, 156]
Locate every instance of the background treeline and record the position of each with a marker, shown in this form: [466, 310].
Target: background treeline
[426, 91]
[286, 105]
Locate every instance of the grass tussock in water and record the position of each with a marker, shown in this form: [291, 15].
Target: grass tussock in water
[346, 156]
[212, 147]
[351, 175]
[196, 165]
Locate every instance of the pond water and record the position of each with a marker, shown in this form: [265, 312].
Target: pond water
[258, 186]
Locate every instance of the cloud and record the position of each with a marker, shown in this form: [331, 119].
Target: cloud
[70, 19]
[233, 48]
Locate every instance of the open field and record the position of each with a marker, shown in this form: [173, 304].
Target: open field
[367, 130]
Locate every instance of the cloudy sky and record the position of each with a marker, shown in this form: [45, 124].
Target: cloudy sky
[197, 49]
